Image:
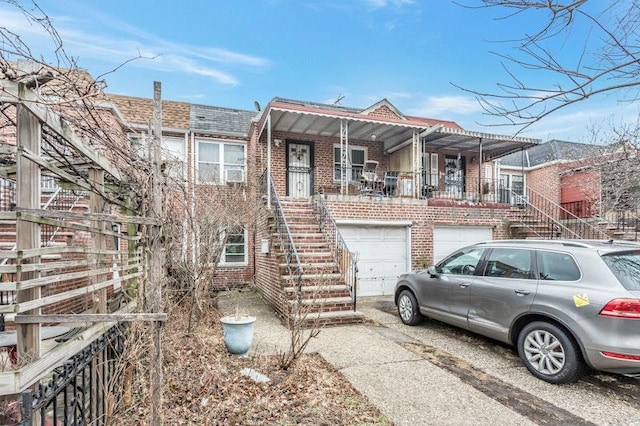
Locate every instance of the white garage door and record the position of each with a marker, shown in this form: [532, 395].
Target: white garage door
[447, 239]
[383, 254]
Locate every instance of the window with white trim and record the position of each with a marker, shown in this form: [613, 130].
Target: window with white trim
[173, 154]
[235, 249]
[357, 157]
[220, 162]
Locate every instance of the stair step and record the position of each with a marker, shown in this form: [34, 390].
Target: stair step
[330, 318]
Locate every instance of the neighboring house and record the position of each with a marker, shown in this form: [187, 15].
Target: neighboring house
[584, 179]
[202, 146]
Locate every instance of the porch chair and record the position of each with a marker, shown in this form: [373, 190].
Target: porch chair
[390, 183]
[369, 179]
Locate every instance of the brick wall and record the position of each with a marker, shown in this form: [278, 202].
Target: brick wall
[322, 158]
[546, 181]
[267, 278]
[423, 218]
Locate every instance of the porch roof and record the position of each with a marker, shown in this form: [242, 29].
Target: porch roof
[394, 132]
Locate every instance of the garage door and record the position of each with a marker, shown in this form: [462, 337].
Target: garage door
[447, 239]
[383, 254]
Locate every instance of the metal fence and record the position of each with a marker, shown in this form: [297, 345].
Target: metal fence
[77, 392]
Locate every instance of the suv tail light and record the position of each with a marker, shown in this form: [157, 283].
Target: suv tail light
[622, 308]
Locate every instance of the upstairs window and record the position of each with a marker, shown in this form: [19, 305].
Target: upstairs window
[173, 154]
[220, 162]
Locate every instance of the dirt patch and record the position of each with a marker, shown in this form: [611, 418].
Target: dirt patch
[204, 385]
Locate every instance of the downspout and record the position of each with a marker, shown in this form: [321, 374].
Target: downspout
[192, 194]
[269, 160]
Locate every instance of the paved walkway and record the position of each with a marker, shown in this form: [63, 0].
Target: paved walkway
[407, 388]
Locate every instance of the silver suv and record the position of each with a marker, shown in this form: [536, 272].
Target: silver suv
[565, 304]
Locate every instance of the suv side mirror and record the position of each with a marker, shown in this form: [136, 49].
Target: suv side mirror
[432, 271]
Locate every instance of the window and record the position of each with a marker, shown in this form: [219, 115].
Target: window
[357, 157]
[463, 262]
[235, 250]
[173, 153]
[220, 162]
[626, 267]
[557, 266]
[510, 263]
[430, 164]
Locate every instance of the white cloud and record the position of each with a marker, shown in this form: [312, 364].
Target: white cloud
[443, 106]
[379, 4]
[110, 40]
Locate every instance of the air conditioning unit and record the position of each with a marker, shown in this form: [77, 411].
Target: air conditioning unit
[234, 175]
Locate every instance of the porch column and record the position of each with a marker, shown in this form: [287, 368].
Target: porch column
[417, 164]
[269, 160]
[345, 167]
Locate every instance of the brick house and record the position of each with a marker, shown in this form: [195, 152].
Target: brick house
[402, 191]
[583, 179]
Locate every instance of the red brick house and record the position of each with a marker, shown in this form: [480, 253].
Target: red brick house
[401, 191]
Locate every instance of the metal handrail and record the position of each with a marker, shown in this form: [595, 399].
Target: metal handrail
[558, 221]
[347, 260]
[61, 200]
[294, 266]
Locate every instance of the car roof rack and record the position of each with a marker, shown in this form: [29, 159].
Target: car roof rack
[566, 243]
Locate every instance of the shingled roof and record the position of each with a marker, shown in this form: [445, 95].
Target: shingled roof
[234, 122]
[185, 116]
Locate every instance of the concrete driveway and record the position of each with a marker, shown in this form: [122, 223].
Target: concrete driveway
[434, 374]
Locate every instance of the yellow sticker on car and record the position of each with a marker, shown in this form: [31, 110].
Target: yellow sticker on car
[581, 300]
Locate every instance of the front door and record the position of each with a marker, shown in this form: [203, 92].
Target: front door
[454, 176]
[299, 167]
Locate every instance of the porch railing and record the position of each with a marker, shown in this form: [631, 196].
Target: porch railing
[292, 259]
[549, 220]
[347, 261]
[60, 200]
[625, 221]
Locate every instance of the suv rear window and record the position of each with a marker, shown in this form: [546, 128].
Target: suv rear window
[626, 267]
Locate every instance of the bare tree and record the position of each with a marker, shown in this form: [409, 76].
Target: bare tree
[604, 38]
[200, 222]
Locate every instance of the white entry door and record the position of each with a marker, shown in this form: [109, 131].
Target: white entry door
[299, 169]
[383, 254]
[447, 239]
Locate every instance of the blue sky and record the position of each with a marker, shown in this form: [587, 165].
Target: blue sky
[232, 53]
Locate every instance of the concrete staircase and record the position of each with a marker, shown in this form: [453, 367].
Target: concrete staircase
[320, 295]
[524, 225]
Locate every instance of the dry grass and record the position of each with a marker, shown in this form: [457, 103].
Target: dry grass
[204, 386]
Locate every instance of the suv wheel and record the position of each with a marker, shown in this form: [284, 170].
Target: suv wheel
[549, 353]
[408, 308]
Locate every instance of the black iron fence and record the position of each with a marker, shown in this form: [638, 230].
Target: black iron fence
[78, 391]
[347, 262]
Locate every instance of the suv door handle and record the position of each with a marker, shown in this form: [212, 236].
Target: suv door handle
[464, 285]
[523, 292]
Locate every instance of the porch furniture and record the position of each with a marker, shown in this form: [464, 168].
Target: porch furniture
[369, 181]
[390, 183]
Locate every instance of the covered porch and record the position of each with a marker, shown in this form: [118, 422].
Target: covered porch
[310, 148]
